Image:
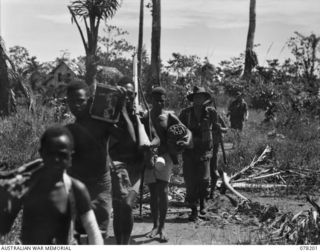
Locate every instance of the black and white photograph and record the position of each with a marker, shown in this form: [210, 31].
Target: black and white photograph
[159, 122]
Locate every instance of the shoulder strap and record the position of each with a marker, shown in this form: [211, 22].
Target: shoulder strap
[71, 200]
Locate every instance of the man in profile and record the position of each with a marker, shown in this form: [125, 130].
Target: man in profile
[127, 162]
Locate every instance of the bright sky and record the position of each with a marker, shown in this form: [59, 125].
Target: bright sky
[216, 29]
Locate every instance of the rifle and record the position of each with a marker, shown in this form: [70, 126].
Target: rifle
[142, 135]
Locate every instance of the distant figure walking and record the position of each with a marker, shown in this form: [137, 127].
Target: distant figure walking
[270, 113]
[238, 112]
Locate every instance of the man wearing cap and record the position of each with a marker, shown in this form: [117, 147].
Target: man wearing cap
[238, 112]
[202, 121]
[157, 176]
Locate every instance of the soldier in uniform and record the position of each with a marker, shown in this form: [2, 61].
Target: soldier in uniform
[202, 120]
[238, 112]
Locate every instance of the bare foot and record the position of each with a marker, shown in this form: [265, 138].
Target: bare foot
[152, 233]
[163, 236]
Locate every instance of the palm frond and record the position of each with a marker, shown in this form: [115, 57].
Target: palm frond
[96, 9]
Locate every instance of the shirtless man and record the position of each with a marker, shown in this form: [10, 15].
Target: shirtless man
[89, 163]
[48, 213]
[157, 178]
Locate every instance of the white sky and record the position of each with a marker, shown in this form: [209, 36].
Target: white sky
[216, 29]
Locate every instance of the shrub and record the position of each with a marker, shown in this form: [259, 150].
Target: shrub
[19, 134]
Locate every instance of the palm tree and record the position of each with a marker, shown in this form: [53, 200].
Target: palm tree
[155, 42]
[250, 56]
[92, 12]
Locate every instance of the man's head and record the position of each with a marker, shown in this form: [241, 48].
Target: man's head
[239, 95]
[77, 97]
[56, 147]
[126, 82]
[198, 96]
[199, 99]
[159, 97]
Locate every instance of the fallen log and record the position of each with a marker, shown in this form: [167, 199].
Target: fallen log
[225, 180]
[259, 177]
[243, 185]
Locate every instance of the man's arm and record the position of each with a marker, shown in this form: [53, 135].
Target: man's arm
[9, 209]
[90, 225]
[246, 113]
[187, 140]
[223, 126]
[153, 136]
[84, 210]
[229, 108]
[120, 132]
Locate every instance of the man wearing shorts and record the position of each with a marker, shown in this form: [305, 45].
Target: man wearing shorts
[157, 178]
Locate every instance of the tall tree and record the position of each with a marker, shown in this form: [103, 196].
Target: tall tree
[156, 42]
[140, 41]
[250, 56]
[4, 82]
[92, 12]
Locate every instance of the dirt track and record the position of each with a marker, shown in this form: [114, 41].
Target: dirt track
[216, 228]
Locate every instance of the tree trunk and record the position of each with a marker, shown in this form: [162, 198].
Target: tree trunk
[250, 56]
[140, 42]
[91, 68]
[155, 43]
[4, 85]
